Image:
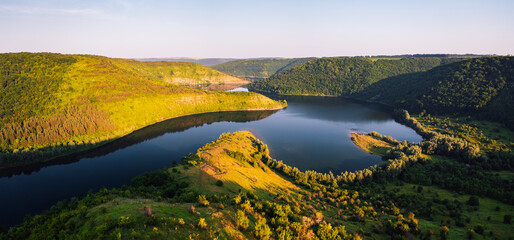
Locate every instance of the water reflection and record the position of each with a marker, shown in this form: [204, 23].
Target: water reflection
[311, 133]
[169, 126]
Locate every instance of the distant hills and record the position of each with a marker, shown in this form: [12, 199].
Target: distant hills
[202, 61]
[52, 104]
[257, 69]
[342, 76]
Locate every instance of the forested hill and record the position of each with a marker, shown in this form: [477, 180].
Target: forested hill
[480, 86]
[52, 104]
[342, 75]
[259, 68]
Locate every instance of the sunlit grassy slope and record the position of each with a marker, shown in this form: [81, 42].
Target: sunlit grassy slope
[52, 104]
[370, 144]
[235, 159]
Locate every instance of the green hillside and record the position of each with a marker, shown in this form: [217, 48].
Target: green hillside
[342, 75]
[53, 104]
[232, 189]
[182, 73]
[257, 69]
[483, 87]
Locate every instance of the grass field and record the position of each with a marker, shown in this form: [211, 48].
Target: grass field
[370, 144]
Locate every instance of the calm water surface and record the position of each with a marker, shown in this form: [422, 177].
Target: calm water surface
[311, 133]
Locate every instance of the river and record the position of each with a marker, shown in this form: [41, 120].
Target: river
[312, 133]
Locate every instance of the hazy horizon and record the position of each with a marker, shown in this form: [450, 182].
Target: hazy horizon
[257, 29]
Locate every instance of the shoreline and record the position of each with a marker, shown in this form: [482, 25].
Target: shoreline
[330, 96]
[68, 154]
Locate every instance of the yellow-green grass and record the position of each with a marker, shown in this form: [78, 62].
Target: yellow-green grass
[183, 73]
[487, 208]
[124, 95]
[131, 212]
[370, 144]
[488, 135]
[249, 174]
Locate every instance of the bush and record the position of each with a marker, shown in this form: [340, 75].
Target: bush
[473, 201]
[262, 231]
[219, 183]
[202, 200]
[507, 219]
[479, 229]
[202, 224]
[241, 220]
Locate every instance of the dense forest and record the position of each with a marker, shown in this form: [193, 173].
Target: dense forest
[257, 69]
[342, 75]
[231, 188]
[53, 104]
[483, 87]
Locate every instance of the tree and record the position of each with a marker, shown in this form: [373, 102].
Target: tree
[262, 231]
[241, 220]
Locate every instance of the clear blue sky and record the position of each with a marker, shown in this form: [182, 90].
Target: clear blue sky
[256, 28]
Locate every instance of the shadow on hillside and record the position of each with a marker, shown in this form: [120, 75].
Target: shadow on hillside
[168, 126]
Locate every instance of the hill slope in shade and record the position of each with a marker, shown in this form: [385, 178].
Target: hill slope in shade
[482, 87]
[257, 69]
[51, 104]
[342, 76]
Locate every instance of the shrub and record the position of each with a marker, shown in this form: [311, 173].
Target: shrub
[219, 183]
[473, 201]
[202, 224]
[241, 220]
[202, 200]
[262, 231]
[507, 219]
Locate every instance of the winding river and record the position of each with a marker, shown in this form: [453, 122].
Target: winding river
[312, 133]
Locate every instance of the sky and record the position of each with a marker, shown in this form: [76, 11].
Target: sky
[257, 28]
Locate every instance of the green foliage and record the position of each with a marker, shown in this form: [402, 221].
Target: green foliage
[202, 224]
[262, 231]
[219, 183]
[473, 201]
[203, 201]
[53, 104]
[241, 220]
[259, 68]
[482, 87]
[507, 219]
[377, 204]
[341, 75]
[28, 82]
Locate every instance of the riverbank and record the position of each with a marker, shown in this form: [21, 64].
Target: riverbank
[370, 144]
[134, 115]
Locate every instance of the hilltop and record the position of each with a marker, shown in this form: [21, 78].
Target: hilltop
[342, 76]
[232, 189]
[54, 104]
[203, 61]
[181, 73]
[257, 69]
